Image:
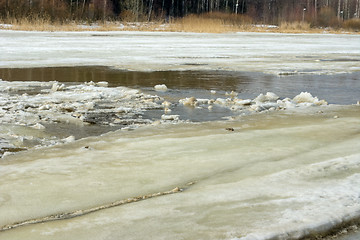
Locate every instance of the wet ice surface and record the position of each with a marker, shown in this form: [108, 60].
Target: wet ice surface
[277, 174]
[280, 167]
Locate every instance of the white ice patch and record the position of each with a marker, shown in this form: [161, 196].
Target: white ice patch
[268, 102]
[83, 103]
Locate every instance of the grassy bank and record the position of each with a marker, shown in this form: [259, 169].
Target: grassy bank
[205, 23]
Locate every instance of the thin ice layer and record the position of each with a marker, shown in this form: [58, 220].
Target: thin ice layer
[275, 175]
[283, 54]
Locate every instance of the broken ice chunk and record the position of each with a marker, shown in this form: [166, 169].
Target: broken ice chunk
[305, 97]
[161, 87]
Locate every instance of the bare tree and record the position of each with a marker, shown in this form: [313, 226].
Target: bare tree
[339, 9]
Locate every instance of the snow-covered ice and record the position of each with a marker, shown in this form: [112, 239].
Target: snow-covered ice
[264, 52]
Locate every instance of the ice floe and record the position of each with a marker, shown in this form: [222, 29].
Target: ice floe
[82, 103]
[270, 102]
[161, 87]
[38, 104]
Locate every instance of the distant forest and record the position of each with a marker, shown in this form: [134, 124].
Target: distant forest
[264, 11]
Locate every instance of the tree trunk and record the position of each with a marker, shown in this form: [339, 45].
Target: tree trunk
[83, 8]
[104, 13]
[150, 9]
[339, 9]
[137, 10]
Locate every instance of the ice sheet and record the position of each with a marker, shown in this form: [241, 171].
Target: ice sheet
[266, 52]
[276, 175]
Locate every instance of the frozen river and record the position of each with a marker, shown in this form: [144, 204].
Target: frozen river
[270, 53]
[281, 165]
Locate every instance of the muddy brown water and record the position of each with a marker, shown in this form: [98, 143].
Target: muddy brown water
[336, 89]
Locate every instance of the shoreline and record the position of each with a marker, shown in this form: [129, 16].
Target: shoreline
[167, 27]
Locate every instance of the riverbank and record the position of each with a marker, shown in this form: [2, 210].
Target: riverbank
[196, 25]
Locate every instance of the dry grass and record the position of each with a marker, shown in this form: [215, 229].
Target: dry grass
[47, 25]
[38, 24]
[211, 23]
[195, 23]
[295, 26]
[352, 24]
[205, 23]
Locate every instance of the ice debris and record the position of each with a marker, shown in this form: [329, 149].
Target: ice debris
[57, 87]
[306, 98]
[86, 103]
[264, 102]
[170, 117]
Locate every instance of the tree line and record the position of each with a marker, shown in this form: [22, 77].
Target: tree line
[265, 11]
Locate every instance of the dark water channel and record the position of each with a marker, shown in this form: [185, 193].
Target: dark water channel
[336, 89]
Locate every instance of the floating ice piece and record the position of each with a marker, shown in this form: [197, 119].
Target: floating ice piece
[102, 84]
[305, 97]
[232, 94]
[91, 83]
[170, 117]
[265, 106]
[38, 126]
[188, 101]
[69, 139]
[212, 91]
[243, 102]
[57, 87]
[44, 107]
[220, 101]
[269, 97]
[286, 103]
[202, 101]
[161, 87]
[166, 104]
